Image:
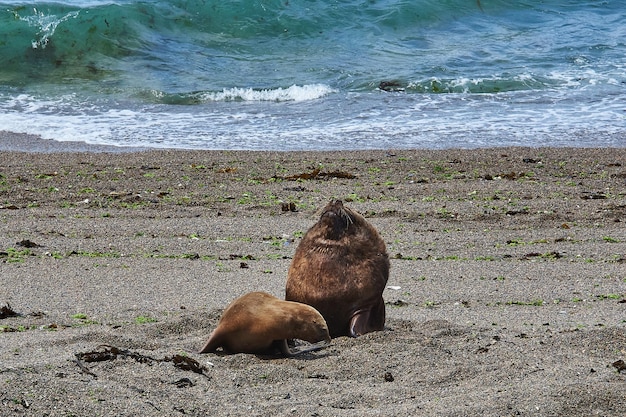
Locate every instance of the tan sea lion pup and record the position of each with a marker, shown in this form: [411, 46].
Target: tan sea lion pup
[258, 322]
[341, 268]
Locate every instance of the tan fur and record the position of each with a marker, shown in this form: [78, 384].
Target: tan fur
[256, 322]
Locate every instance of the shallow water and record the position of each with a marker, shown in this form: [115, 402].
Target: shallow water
[302, 75]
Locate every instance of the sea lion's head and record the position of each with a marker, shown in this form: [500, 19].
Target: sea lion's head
[313, 327]
[336, 220]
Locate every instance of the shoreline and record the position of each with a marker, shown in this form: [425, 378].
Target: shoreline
[27, 143]
[507, 293]
[24, 142]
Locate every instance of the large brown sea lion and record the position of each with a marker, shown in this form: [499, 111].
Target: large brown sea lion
[341, 268]
[259, 322]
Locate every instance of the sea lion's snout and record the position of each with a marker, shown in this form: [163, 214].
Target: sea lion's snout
[323, 335]
[338, 217]
[334, 207]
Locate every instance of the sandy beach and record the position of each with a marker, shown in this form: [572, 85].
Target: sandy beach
[506, 297]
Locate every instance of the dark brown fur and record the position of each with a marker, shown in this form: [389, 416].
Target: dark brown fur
[257, 322]
[341, 268]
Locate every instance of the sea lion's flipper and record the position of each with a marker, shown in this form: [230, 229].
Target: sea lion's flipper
[213, 343]
[368, 320]
[359, 323]
[293, 351]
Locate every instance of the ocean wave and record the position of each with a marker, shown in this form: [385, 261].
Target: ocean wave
[52, 42]
[294, 93]
[224, 74]
[185, 45]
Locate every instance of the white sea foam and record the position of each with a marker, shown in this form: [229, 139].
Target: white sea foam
[47, 25]
[293, 93]
[338, 121]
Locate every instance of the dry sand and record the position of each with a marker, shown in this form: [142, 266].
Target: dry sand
[507, 288]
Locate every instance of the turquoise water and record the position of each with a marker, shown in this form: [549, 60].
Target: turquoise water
[291, 75]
